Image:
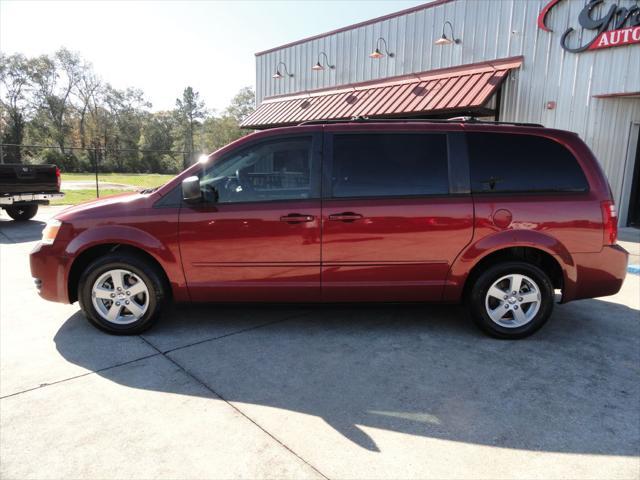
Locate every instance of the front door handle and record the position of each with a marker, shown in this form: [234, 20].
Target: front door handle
[297, 218]
[345, 217]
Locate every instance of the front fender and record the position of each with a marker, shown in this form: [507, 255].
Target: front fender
[133, 237]
[486, 245]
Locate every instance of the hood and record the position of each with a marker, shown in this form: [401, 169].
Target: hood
[106, 206]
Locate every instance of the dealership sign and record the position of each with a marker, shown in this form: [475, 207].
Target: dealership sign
[616, 27]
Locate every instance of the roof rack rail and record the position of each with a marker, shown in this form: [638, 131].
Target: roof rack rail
[419, 120]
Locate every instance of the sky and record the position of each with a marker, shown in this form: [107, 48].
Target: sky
[163, 46]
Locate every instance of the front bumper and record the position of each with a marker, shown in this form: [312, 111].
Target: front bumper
[49, 270]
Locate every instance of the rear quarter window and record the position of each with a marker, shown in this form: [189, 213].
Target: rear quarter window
[522, 163]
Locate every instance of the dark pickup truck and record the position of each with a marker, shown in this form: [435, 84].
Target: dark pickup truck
[24, 187]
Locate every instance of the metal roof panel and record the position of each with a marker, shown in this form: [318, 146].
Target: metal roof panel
[442, 90]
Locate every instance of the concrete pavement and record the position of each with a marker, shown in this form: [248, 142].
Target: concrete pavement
[629, 238]
[295, 392]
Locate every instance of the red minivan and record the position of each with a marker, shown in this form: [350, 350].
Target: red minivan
[507, 218]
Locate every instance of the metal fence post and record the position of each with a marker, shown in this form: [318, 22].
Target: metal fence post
[95, 155]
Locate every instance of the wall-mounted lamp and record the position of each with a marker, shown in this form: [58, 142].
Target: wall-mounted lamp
[377, 53]
[279, 75]
[319, 66]
[444, 40]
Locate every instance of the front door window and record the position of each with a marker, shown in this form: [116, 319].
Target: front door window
[275, 170]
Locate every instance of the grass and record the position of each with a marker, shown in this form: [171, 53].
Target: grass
[140, 180]
[144, 180]
[73, 197]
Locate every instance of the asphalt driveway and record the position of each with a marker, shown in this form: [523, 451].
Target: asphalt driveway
[295, 392]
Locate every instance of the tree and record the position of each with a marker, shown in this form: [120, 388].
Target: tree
[86, 90]
[16, 75]
[122, 133]
[56, 78]
[156, 142]
[219, 131]
[242, 104]
[189, 110]
[59, 101]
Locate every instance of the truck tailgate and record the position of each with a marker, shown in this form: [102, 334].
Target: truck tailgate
[18, 178]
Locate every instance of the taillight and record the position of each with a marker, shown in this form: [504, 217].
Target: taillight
[610, 221]
[58, 178]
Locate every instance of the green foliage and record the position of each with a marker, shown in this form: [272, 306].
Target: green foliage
[73, 197]
[189, 110]
[155, 140]
[59, 101]
[137, 180]
[16, 75]
[54, 81]
[218, 132]
[242, 104]
[68, 162]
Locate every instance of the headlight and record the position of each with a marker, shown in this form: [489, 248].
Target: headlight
[50, 231]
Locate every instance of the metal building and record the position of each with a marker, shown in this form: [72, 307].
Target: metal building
[568, 64]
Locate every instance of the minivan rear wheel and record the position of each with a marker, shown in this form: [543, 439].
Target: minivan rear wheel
[121, 294]
[511, 300]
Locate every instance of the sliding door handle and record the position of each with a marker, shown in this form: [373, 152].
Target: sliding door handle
[297, 218]
[345, 217]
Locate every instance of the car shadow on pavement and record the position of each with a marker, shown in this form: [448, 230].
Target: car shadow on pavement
[419, 370]
[12, 232]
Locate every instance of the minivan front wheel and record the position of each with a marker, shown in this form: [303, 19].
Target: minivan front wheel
[512, 300]
[121, 294]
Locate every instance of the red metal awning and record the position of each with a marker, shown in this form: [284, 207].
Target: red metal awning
[455, 89]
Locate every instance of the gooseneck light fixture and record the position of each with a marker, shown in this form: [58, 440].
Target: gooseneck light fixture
[279, 75]
[444, 40]
[319, 66]
[377, 53]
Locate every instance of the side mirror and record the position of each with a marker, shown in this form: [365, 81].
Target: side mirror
[191, 192]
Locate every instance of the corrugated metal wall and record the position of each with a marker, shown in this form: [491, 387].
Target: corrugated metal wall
[489, 29]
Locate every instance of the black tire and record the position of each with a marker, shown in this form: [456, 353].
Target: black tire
[478, 294]
[146, 272]
[22, 213]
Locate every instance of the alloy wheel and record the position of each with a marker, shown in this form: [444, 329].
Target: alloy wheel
[120, 296]
[513, 300]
